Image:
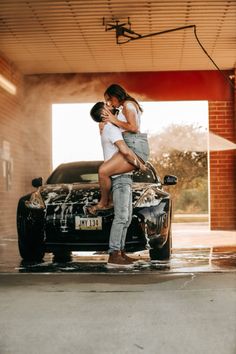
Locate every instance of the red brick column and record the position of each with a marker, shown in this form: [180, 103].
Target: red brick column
[11, 150]
[222, 168]
[24, 145]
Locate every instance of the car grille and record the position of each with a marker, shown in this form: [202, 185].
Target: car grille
[60, 226]
[61, 218]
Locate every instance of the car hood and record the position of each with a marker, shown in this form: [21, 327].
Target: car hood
[69, 193]
[80, 193]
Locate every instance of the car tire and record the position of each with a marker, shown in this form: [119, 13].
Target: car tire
[30, 240]
[164, 252]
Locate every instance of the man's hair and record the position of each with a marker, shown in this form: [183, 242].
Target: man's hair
[96, 111]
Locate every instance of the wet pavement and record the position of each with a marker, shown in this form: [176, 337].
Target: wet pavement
[58, 313]
[184, 304]
[195, 249]
[182, 260]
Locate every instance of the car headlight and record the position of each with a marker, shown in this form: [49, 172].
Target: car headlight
[147, 199]
[35, 202]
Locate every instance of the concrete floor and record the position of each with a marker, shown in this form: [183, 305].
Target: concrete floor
[198, 234]
[186, 305]
[118, 314]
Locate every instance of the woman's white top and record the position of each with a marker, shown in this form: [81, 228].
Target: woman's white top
[132, 107]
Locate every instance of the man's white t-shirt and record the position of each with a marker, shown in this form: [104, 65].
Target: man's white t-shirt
[110, 135]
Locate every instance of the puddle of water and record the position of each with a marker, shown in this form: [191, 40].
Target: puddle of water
[201, 259]
[187, 261]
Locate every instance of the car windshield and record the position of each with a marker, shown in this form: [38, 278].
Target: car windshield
[88, 173]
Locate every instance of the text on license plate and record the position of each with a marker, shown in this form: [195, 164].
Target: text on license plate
[88, 223]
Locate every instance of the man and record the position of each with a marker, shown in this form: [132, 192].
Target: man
[112, 142]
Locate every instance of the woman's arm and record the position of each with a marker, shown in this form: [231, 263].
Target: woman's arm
[130, 113]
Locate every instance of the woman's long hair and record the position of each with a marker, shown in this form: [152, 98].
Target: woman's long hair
[117, 91]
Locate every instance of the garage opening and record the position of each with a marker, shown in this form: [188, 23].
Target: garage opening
[178, 138]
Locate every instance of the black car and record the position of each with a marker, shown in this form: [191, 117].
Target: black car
[54, 217]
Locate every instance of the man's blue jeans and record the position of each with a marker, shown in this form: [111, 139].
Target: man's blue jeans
[122, 200]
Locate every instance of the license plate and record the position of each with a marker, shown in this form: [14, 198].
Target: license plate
[88, 223]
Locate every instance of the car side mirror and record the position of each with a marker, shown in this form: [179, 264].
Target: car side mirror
[37, 182]
[170, 180]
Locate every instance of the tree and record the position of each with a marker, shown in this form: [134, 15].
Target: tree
[170, 154]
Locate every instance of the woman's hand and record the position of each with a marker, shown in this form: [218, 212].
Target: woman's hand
[107, 116]
[130, 114]
[142, 167]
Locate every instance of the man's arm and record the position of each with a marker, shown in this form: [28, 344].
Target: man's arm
[130, 155]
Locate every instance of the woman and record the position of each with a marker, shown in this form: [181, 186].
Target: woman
[128, 120]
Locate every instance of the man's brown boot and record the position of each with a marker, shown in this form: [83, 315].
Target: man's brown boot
[131, 259]
[116, 260]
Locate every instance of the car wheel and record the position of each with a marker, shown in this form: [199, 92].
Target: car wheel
[164, 252]
[30, 240]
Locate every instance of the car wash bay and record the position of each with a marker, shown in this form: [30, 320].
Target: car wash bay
[78, 296]
[76, 305]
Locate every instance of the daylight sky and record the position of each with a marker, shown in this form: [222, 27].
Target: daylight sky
[75, 135]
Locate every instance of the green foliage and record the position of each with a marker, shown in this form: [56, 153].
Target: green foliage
[193, 200]
[191, 193]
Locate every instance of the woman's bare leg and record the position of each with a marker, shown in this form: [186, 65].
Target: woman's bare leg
[116, 165]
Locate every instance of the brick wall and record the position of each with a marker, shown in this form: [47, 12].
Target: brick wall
[21, 146]
[222, 168]
[11, 151]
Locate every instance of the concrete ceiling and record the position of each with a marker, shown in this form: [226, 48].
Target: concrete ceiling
[68, 36]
